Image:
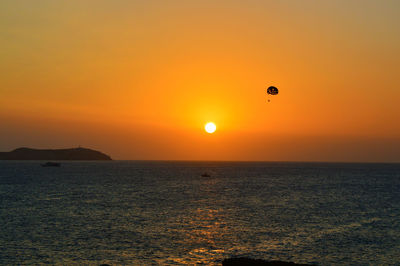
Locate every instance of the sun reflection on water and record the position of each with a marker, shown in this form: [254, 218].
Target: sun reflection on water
[202, 232]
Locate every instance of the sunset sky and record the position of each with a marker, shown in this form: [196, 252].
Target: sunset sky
[140, 79]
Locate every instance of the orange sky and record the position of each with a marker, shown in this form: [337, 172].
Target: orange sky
[139, 79]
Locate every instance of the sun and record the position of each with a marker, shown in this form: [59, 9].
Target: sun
[210, 127]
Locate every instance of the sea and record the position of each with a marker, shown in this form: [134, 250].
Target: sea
[167, 213]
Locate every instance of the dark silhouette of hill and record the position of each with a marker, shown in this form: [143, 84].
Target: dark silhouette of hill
[56, 154]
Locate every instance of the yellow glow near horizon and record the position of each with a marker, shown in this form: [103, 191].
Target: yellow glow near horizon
[210, 127]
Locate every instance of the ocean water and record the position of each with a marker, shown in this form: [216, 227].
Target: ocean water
[149, 213]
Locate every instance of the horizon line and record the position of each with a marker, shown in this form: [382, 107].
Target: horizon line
[254, 161]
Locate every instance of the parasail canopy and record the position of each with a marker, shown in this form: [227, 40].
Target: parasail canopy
[272, 90]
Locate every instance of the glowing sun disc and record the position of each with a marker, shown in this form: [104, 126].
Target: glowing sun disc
[210, 127]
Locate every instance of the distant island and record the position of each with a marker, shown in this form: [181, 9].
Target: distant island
[54, 154]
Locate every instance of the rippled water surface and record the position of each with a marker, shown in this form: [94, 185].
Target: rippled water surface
[126, 212]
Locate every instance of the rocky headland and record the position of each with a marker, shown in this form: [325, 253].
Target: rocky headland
[54, 154]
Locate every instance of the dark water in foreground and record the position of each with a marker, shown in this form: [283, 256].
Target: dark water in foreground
[166, 213]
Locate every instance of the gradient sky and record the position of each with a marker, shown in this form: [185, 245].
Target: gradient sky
[139, 79]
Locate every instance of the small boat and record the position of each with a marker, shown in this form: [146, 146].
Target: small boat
[205, 175]
[51, 164]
